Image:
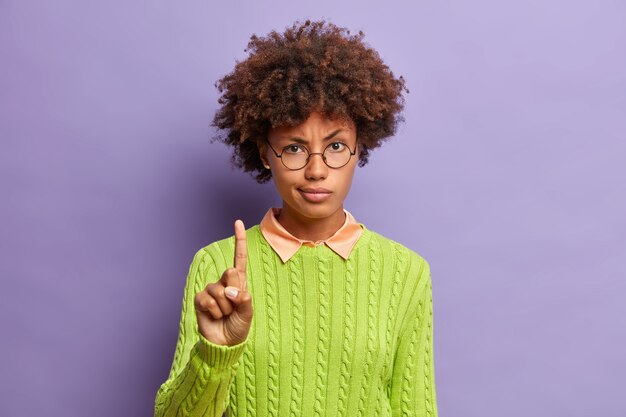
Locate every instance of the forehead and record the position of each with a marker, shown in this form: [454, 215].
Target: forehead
[316, 125]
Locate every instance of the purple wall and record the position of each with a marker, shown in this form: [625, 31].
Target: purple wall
[509, 175]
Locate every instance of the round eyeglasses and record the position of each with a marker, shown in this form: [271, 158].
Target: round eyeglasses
[296, 156]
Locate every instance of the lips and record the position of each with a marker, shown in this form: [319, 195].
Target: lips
[315, 190]
[314, 195]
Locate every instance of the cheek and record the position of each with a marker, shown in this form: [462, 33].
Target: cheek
[283, 181]
[350, 171]
[348, 179]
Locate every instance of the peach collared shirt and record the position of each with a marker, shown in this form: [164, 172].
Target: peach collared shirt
[286, 245]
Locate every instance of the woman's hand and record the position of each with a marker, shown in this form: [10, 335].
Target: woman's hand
[224, 318]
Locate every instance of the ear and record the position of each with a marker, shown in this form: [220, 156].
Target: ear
[262, 147]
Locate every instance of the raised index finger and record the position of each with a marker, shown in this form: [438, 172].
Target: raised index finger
[241, 249]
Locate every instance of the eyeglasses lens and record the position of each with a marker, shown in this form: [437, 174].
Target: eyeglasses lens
[334, 156]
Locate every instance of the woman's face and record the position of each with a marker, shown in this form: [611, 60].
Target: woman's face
[316, 133]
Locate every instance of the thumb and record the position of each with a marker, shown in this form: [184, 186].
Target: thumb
[242, 301]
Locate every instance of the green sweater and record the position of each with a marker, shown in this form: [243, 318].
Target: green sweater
[329, 337]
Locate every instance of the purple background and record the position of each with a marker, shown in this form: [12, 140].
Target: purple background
[507, 176]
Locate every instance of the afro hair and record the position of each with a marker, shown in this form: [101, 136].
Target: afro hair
[314, 66]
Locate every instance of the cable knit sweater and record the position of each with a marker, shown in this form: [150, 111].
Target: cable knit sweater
[329, 337]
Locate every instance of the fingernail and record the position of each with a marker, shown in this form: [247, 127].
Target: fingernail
[231, 292]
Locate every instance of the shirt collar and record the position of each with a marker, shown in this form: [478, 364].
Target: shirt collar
[286, 245]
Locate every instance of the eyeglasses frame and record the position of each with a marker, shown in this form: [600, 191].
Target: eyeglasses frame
[280, 156]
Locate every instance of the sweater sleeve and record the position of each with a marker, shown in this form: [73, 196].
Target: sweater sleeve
[202, 372]
[412, 391]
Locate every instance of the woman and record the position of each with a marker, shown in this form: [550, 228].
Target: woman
[309, 312]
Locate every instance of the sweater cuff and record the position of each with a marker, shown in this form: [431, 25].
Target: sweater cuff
[220, 356]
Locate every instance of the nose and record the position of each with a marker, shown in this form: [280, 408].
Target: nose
[316, 168]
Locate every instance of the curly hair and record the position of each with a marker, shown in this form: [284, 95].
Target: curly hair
[315, 66]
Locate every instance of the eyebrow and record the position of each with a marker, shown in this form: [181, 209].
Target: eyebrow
[300, 140]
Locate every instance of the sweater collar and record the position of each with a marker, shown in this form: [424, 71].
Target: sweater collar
[286, 245]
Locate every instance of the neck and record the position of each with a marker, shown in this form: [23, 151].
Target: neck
[306, 228]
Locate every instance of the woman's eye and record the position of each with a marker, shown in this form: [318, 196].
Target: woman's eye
[337, 146]
[292, 148]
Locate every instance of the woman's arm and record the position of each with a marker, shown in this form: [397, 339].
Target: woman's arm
[202, 372]
[413, 378]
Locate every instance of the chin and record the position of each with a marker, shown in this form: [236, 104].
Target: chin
[317, 211]
[313, 210]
